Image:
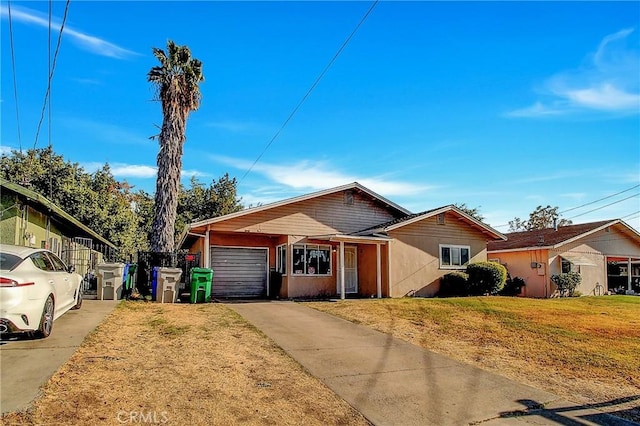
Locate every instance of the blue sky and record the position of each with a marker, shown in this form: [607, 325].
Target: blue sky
[501, 105]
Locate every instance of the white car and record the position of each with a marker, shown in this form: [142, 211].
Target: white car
[36, 288]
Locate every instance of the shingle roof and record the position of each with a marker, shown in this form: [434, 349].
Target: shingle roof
[545, 237]
[396, 221]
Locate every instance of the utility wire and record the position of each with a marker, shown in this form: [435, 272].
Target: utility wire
[630, 214]
[588, 204]
[606, 205]
[15, 78]
[313, 86]
[49, 104]
[601, 199]
[53, 67]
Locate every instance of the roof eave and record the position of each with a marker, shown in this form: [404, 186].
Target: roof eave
[43, 201]
[530, 248]
[353, 185]
[486, 228]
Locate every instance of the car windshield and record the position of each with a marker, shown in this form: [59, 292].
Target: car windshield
[9, 261]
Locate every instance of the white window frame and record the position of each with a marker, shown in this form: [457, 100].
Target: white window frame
[451, 248]
[281, 264]
[311, 247]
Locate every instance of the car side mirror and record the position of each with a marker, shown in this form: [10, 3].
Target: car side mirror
[71, 269]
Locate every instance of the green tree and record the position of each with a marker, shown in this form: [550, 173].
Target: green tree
[475, 212]
[199, 202]
[98, 200]
[540, 218]
[176, 80]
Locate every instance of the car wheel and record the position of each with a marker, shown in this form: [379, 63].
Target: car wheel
[46, 322]
[79, 301]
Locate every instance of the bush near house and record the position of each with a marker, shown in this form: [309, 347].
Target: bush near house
[567, 283]
[512, 287]
[486, 278]
[454, 284]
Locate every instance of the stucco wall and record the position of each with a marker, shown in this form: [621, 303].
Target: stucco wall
[592, 275]
[519, 265]
[415, 253]
[593, 249]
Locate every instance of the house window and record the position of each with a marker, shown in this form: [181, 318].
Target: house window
[281, 259]
[567, 267]
[311, 259]
[454, 257]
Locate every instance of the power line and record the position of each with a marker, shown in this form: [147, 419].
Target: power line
[588, 204]
[630, 214]
[313, 86]
[52, 69]
[602, 207]
[15, 78]
[601, 199]
[49, 104]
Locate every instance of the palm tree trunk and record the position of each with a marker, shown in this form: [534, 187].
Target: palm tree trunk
[169, 163]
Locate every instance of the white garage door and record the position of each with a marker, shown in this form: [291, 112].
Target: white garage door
[239, 272]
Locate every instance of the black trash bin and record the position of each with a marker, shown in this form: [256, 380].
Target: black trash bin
[275, 284]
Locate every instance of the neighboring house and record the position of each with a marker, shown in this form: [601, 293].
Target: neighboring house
[31, 220]
[346, 240]
[606, 254]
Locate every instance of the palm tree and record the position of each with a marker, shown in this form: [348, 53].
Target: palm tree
[176, 80]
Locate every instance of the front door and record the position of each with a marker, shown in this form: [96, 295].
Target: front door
[350, 270]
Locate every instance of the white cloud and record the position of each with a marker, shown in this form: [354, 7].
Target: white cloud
[604, 97]
[574, 195]
[91, 43]
[606, 83]
[5, 150]
[122, 170]
[306, 175]
[535, 110]
[187, 174]
[133, 170]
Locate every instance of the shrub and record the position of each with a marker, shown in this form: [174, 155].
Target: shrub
[512, 287]
[567, 283]
[454, 284]
[486, 278]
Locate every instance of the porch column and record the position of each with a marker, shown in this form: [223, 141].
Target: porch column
[629, 274]
[341, 269]
[378, 271]
[389, 269]
[207, 255]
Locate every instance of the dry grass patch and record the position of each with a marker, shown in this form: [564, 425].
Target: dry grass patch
[583, 349]
[183, 365]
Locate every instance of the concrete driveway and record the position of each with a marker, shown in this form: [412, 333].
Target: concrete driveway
[26, 364]
[392, 382]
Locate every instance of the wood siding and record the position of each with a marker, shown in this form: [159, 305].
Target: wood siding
[318, 216]
[415, 253]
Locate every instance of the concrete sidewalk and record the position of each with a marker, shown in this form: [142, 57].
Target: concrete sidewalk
[26, 364]
[393, 382]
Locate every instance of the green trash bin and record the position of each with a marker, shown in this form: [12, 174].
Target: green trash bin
[130, 278]
[201, 279]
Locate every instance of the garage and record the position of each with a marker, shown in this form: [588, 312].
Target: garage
[239, 272]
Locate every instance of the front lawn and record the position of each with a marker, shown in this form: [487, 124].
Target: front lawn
[183, 365]
[585, 349]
